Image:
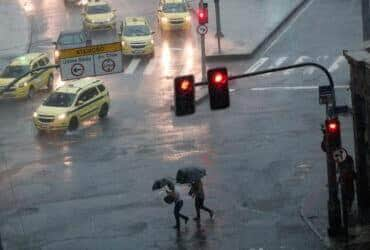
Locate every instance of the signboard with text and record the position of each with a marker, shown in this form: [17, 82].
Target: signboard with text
[91, 61]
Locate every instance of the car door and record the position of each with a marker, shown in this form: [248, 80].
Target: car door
[89, 106]
[36, 80]
[44, 74]
[82, 105]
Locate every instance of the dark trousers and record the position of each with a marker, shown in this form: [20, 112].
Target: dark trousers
[199, 204]
[176, 212]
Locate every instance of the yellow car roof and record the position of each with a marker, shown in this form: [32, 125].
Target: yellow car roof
[136, 21]
[26, 59]
[78, 85]
[96, 2]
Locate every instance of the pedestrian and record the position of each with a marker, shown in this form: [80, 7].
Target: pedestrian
[175, 195]
[196, 191]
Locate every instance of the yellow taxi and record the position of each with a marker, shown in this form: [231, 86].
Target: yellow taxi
[137, 37]
[27, 86]
[70, 104]
[98, 15]
[173, 15]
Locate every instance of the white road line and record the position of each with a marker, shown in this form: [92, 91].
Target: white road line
[277, 63]
[336, 64]
[132, 66]
[257, 65]
[288, 27]
[150, 67]
[300, 59]
[294, 88]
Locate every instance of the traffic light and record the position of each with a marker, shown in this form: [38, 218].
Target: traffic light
[184, 95]
[203, 14]
[218, 87]
[332, 132]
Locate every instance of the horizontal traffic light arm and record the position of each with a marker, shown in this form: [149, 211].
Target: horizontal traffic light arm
[300, 65]
[12, 83]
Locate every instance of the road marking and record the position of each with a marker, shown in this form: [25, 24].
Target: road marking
[336, 64]
[150, 67]
[257, 65]
[300, 59]
[132, 66]
[288, 27]
[277, 63]
[294, 88]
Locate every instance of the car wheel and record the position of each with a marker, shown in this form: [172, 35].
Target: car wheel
[104, 111]
[50, 83]
[31, 93]
[73, 124]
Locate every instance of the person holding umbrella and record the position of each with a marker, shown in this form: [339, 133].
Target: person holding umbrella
[193, 176]
[196, 191]
[172, 197]
[175, 195]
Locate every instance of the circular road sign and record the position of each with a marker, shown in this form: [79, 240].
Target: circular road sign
[340, 155]
[108, 65]
[202, 29]
[77, 69]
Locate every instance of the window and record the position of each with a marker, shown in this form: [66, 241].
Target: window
[101, 88]
[137, 30]
[98, 9]
[58, 99]
[14, 71]
[41, 62]
[83, 96]
[46, 60]
[92, 92]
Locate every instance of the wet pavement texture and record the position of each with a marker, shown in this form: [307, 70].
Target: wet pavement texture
[91, 189]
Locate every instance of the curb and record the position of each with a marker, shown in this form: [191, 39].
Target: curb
[264, 41]
[312, 227]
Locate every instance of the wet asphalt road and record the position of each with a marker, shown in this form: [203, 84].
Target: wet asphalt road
[91, 189]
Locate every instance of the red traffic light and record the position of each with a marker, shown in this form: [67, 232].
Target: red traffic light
[185, 85]
[218, 87]
[219, 78]
[202, 15]
[333, 126]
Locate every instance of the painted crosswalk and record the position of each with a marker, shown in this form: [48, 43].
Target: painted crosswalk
[332, 63]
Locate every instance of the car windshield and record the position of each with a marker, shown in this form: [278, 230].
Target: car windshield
[72, 39]
[14, 71]
[136, 30]
[174, 7]
[98, 9]
[59, 99]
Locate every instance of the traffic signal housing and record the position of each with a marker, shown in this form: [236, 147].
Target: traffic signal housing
[332, 133]
[202, 14]
[218, 88]
[184, 95]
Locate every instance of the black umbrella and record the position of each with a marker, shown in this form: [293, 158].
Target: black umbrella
[189, 174]
[161, 183]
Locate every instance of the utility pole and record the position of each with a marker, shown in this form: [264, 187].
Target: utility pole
[365, 20]
[219, 33]
[202, 30]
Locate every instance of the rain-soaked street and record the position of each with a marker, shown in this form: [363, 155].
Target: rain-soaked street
[91, 188]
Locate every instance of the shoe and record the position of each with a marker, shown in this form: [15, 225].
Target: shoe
[186, 221]
[211, 214]
[196, 218]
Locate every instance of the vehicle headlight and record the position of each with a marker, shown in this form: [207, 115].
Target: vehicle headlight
[164, 19]
[35, 115]
[56, 54]
[61, 116]
[152, 41]
[22, 84]
[123, 43]
[188, 18]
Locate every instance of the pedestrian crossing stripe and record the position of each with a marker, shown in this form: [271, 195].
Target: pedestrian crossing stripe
[132, 66]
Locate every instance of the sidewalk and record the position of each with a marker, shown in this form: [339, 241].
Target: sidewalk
[14, 31]
[246, 25]
[315, 214]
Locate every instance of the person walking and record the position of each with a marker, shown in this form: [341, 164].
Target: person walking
[196, 191]
[175, 195]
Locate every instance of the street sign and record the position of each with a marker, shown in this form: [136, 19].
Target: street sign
[340, 155]
[202, 29]
[91, 61]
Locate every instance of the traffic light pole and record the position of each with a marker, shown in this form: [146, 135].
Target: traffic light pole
[334, 209]
[203, 51]
[365, 20]
[219, 33]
